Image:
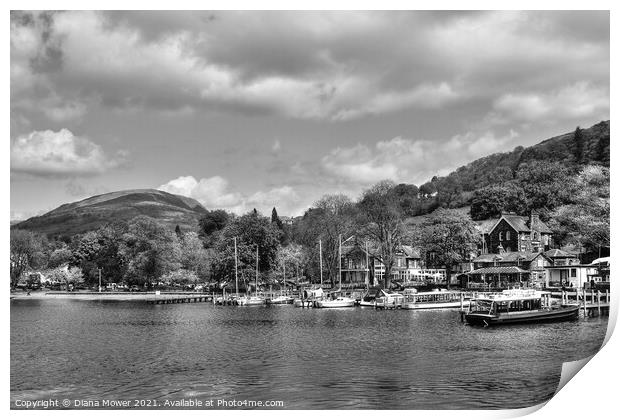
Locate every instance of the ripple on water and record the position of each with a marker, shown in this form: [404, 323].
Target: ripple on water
[307, 358]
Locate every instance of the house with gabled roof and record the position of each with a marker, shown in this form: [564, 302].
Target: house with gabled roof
[514, 233]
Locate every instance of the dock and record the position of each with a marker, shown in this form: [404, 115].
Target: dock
[593, 302]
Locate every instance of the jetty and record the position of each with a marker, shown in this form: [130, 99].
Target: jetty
[592, 302]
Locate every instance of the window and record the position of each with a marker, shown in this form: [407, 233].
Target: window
[573, 272]
[501, 236]
[507, 235]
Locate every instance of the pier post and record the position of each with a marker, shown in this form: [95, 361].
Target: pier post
[598, 301]
[585, 304]
[461, 299]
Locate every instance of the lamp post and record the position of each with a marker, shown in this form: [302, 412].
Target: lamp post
[99, 269]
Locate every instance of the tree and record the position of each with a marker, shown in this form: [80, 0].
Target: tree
[289, 260]
[194, 256]
[151, 250]
[447, 238]
[585, 219]
[59, 257]
[101, 249]
[213, 220]
[579, 145]
[177, 231]
[275, 219]
[251, 230]
[381, 223]
[491, 201]
[545, 186]
[26, 253]
[331, 216]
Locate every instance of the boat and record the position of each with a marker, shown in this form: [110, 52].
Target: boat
[436, 299]
[381, 298]
[336, 302]
[518, 306]
[282, 300]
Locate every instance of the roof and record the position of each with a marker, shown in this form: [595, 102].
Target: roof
[498, 270]
[410, 251]
[507, 257]
[558, 253]
[520, 223]
[485, 226]
[604, 260]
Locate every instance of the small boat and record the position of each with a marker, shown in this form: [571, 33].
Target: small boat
[385, 299]
[436, 299]
[518, 306]
[250, 300]
[338, 302]
[282, 300]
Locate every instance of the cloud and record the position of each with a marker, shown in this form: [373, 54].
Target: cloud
[320, 70]
[61, 154]
[410, 161]
[215, 193]
[579, 100]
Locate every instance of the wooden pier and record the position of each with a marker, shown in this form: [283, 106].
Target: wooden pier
[593, 302]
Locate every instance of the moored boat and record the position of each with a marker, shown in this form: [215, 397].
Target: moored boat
[282, 300]
[518, 306]
[338, 302]
[436, 299]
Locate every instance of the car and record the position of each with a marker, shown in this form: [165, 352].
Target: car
[134, 288]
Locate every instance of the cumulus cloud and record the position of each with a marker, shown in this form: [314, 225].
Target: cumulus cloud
[61, 153]
[320, 70]
[575, 101]
[406, 160]
[215, 193]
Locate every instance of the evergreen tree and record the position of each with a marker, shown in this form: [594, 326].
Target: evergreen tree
[579, 142]
[275, 219]
[177, 230]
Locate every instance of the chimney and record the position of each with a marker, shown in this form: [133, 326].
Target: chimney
[533, 219]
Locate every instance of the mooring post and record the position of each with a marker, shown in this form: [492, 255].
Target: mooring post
[585, 304]
[598, 301]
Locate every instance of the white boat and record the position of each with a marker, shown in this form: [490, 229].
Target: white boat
[437, 299]
[339, 302]
[282, 300]
[387, 299]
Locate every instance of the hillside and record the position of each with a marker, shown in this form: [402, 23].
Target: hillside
[91, 213]
[455, 189]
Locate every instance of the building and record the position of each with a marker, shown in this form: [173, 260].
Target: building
[362, 269]
[560, 257]
[571, 275]
[507, 269]
[513, 233]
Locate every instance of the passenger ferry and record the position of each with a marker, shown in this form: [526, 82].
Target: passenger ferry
[437, 299]
[518, 306]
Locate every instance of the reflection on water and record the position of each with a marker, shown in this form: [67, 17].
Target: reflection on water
[308, 358]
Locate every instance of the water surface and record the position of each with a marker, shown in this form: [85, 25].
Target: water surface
[308, 358]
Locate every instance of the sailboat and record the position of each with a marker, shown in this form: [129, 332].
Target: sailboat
[282, 299]
[338, 301]
[253, 300]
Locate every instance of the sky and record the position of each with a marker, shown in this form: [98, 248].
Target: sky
[243, 110]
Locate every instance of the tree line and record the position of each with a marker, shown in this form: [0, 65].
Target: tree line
[145, 252]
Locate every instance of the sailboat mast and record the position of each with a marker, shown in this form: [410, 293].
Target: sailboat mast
[236, 275]
[339, 262]
[256, 270]
[284, 275]
[321, 260]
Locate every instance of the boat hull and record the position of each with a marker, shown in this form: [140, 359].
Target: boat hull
[281, 301]
[336, 303]
[432, 305]
[564, 313]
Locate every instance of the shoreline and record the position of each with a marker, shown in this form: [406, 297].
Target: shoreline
[104, 296]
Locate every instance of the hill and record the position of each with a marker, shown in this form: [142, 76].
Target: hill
[94, 212]
[456, 189]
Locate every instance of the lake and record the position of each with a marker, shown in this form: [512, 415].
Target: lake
[355, 358]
